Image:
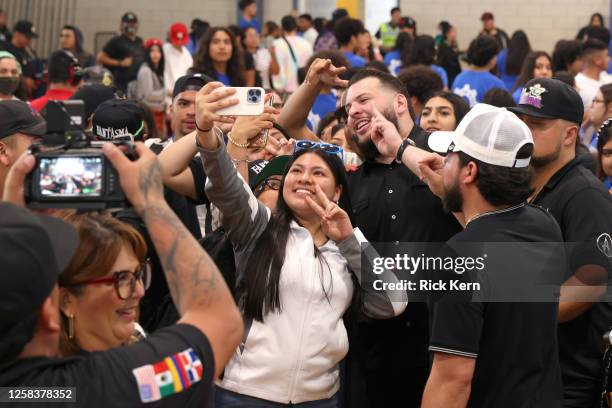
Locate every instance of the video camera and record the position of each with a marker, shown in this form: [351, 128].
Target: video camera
[71, 170]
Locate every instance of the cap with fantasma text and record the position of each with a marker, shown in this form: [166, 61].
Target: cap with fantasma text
[118, 119]
[490, 134]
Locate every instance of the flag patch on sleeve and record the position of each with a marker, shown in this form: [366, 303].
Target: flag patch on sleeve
[169, 376]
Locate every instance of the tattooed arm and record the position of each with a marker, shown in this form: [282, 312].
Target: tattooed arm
[196, 285]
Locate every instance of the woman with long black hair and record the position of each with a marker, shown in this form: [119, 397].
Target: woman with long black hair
[149, 85]
[297, 270]
[220, 57]
[510, 60]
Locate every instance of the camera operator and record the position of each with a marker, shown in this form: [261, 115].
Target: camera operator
[64, 77]
[197, 348]
[20, 128]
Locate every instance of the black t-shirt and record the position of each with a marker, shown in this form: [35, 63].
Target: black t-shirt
[121, 47]
[391, 205]
[514, 344]
[583, 208]
[185, 210]
[173, 367]
[25, 58]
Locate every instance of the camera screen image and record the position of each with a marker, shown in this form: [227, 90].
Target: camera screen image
[71, 176]
[254, 96]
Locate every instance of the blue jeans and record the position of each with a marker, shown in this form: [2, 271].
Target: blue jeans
[229, 399]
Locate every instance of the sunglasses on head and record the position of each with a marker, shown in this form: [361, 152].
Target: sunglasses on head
[326, 147]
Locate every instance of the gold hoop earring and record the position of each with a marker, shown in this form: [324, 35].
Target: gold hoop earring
[71, 327]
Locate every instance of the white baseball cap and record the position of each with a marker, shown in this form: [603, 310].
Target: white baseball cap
[489, 134]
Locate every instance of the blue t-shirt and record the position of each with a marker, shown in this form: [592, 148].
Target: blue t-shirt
[244, 24]
[355, 60]
[323, 105]
[508, 80]
[472, 85]
[223, 79]
[440, 71]
[516, 95]
[393, 61]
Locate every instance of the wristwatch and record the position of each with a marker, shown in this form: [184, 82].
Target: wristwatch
[400, 152]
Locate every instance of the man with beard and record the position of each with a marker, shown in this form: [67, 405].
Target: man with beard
[390, 205]
[486, 176]
[583, 208]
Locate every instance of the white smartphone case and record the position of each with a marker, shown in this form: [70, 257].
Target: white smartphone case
[251, 102]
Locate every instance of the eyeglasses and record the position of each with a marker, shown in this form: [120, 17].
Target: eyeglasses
[124, 281]
[271, 183]
[326, 147]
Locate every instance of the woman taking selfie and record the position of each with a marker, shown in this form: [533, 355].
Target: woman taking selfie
[297, 270]
[101, 288]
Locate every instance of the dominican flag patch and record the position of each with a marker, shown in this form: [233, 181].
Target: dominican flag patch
[167, 377]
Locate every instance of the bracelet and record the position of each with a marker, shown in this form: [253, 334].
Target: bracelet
[202, 130]
[232, 141]
[236, 162]
[400, 152]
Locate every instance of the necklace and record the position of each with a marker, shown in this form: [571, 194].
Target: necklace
[503, 210]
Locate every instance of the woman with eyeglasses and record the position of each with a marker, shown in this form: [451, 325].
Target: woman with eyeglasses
[298, 270]
[601, 109]
[101, 288]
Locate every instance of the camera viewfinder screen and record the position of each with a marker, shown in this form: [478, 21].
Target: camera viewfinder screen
[71, 176]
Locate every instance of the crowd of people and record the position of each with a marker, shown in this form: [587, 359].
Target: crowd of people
[244, 273]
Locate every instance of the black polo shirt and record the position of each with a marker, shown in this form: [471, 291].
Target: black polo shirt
[514, 344]
[173, 367]
[391, 205]
[121, 47]
[583, 208]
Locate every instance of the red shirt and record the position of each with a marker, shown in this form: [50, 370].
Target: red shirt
[51, 95]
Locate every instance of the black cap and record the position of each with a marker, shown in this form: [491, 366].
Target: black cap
[190, 82]
[260, 170]
[97, 75]
[407, 22]
[550, 99]
[93, 96]
[26, 28]
[19, 117]
[129, 17]
[35, 250]
[339, 13]
[117, 118]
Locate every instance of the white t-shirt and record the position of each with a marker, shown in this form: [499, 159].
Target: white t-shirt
[310, 35]
[588, 88]
[287, 79]
[262, 65]
[176, 64]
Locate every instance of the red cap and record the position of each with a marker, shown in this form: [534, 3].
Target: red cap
[153, 41]
[179, 34]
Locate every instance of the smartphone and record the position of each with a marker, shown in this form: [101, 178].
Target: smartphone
[251, 102]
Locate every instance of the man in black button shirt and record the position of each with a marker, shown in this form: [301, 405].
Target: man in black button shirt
[390, 205]
[124, 54]
[494, 354]
[172, 367]
[583, 208]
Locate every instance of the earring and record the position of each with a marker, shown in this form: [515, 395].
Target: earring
[71, 327]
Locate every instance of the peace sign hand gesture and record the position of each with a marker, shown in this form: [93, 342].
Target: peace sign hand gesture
[335, 222]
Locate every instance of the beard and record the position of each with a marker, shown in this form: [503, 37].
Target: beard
[367, 147]
[541, 161]
[453, 200]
